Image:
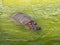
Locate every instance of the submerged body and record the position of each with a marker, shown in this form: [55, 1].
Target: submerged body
[25, 20]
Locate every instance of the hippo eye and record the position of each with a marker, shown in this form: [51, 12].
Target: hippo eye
[35, 23]
[32, 22]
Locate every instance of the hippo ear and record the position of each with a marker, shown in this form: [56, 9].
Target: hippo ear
[34, 23]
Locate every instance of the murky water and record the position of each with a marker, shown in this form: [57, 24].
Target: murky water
[46, 15]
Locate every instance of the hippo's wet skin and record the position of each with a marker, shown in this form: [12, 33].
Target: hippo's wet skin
[25, 20]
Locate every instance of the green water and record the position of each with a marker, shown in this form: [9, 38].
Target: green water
[46, 15]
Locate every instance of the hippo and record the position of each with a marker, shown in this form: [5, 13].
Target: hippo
[25, 20]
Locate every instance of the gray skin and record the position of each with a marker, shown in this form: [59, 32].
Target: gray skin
[25, 20]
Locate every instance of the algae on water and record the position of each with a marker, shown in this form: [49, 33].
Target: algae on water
[46, 14]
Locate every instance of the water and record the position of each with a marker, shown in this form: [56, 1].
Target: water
[46, 15]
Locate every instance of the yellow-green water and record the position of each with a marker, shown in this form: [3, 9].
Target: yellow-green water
[45, 12]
